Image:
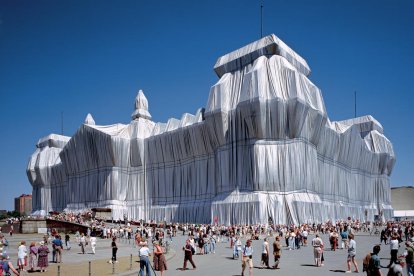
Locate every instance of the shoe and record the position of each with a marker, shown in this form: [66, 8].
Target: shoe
[348, 271]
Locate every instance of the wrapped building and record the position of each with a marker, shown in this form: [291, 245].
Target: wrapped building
[262, 148]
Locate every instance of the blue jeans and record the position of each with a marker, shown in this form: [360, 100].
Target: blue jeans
[144, 263]
[213, 247]
[236, 252]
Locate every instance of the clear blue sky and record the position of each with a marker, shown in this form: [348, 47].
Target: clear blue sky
[77, 57]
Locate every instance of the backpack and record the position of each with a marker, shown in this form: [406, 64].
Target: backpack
[4, 268]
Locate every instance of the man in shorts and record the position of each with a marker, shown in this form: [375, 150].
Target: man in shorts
[247, 255]
[277, 251]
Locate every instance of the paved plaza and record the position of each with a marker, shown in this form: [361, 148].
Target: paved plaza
[293, 262]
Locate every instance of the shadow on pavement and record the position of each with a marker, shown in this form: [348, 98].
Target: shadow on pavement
[337, 270]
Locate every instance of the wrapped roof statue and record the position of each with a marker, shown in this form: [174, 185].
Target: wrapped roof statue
[262, 148]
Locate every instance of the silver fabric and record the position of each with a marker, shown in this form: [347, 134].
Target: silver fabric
[262, 148]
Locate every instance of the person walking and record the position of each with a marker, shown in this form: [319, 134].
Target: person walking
[291, 240]
[114, 250]
[317, 244]
[298, 239]
[33, 256]
[393, 249]
[57, 248]
[305, 234]
[247, 257]
[265, 253]
[351, 254]
[344, 238]
[92, 240]
[213, 243]
[67, 241]
[54, 250]
[188, 255]
[82, 243]
[7, 265]
[4, 244]
[237, 248]
[144, 254]
[22, 256]
[277, 251]
[160, 264]
[334, 240]
[383, 236]
[409, 258]
[42, 260]
[373, 263]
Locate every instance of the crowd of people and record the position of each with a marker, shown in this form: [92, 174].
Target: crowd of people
[341, 236]
[203, 239]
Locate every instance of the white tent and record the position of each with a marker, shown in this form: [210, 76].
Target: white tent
[262, 148]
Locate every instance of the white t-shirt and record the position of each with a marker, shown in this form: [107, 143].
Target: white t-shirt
[239, 244]
[352, 248]
[393, 244]
[144, 252]
[22, 251]
[265, 246]
[93, 240]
